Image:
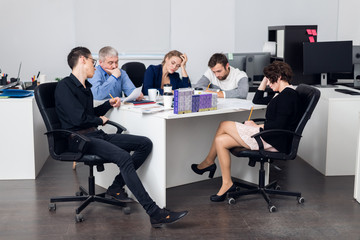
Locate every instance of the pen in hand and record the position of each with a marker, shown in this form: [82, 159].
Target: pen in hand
[112, 97]
[252, 108]
[208, 86]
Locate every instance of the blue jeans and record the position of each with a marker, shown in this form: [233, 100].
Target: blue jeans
[116, 148]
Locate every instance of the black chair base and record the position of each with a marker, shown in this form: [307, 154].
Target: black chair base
[272, 188]
[87, 197]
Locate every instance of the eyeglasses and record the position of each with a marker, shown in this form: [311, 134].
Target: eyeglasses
[93, 61]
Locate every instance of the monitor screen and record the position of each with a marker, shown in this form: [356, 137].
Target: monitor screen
[256, 62]
[251, 63]
[327, 57]
[238, 60]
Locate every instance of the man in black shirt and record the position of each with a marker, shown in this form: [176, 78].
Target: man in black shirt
[74, 106]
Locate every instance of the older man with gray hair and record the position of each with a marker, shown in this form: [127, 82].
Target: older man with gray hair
[108, 78]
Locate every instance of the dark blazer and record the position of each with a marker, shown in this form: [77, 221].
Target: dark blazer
[153, 76]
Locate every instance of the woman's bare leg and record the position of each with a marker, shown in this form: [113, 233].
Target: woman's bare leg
[223, 128]
[223, 142]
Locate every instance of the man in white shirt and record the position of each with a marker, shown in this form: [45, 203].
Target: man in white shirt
[223, 79]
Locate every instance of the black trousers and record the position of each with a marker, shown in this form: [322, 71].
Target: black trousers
[116, 148]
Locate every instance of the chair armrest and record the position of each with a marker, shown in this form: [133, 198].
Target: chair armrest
[258, 136]
[68, 132]
[258, 119]
[272, 131]
[119, 127]
[79, 139]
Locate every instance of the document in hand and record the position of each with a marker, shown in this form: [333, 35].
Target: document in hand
[134, 95]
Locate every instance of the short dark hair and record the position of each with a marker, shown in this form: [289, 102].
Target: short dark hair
[278, 69]
[218, 58]
[74, 55]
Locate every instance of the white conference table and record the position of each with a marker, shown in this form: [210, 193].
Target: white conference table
[179, 141]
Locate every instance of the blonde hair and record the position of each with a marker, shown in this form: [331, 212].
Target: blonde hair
[172, 53]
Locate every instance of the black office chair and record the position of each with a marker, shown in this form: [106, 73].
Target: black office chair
[61, 149]
[136, 71]
[309, 96]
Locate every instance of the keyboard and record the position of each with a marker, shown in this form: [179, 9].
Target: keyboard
[347, 91]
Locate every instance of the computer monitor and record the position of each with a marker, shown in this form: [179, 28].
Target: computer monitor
[327, 57]
[251, 63]
[237, 60]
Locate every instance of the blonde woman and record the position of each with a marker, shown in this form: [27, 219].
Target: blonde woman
[156, 76]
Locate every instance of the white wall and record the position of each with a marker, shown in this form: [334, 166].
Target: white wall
[40, 33]
[135, 26]
[201, 28]
[254, 17]
[349, 21]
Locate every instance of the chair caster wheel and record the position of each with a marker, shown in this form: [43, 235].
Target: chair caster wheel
[79, 218]
[272, 208]
[52, 207]
[300, 200]
[231, 201]
[126, 210]
[277, 187]
[79, 194]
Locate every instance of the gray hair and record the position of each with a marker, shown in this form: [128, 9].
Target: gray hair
[107, 52]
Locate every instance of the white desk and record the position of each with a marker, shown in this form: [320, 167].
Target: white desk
[23, 145]
[178, 141]
[330, 137]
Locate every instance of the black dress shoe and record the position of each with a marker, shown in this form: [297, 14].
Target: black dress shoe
[121, 196]
[164, 216]
[211, 169]
[217, 198]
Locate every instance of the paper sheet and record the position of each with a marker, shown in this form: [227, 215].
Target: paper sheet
[152, 109]
[134, 95]
[234, 103]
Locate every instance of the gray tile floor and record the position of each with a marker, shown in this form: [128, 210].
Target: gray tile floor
[330, 212]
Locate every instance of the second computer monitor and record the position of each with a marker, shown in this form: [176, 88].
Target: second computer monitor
[327, 57]
[251, 63]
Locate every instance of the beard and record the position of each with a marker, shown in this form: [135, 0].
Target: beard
[224, 77]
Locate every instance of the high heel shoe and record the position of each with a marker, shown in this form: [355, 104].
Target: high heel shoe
[211, 168]
[217, 198]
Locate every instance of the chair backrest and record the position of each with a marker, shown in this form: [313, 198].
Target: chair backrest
[309, 97]
[45, 99]
[136, 71]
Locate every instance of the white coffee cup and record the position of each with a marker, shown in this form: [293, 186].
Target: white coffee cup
[168, 98]
[153, 94]
[42, 78]
[167, 88]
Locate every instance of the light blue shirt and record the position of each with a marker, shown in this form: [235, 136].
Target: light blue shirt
[103, 84]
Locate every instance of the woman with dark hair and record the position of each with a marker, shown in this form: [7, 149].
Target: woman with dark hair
[281, 113]
[156, 76]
